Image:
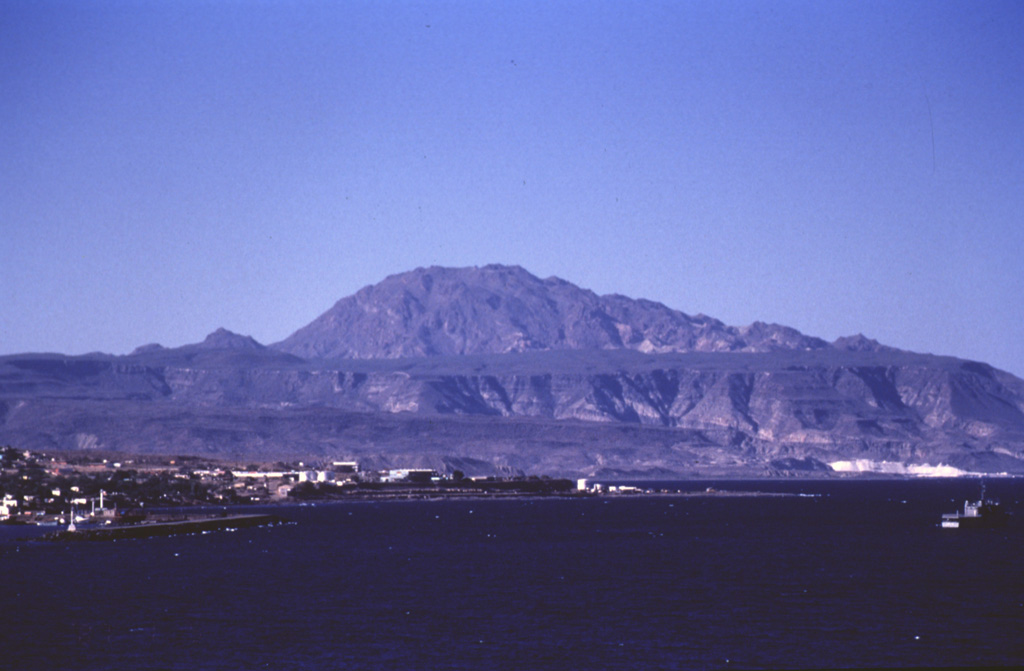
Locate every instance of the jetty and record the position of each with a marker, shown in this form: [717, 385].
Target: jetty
[171, 528]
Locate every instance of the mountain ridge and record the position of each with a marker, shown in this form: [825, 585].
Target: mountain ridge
[494, 366]
[503, 309]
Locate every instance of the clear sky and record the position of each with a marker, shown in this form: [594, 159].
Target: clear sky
[168, 168]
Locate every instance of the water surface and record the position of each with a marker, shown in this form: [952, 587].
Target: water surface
[857, 574]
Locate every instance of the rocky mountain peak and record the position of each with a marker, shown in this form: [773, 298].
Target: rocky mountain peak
[498, 309]
[859, 343]
[225, 339]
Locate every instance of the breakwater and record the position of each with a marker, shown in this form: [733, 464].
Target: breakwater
[173, 528]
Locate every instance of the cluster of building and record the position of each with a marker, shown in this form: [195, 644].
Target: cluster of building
[584, 485]
[35, 485]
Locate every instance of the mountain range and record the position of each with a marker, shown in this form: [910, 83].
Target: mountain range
[493, 370]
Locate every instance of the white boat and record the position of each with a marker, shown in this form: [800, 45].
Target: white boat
[981, 514]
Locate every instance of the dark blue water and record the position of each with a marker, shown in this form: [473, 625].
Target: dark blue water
[859, 576]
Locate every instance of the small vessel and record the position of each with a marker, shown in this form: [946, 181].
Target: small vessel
[981, 514]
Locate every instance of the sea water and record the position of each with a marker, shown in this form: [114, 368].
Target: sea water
[846, 574]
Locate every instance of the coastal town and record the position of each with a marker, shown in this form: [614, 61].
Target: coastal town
[46, 488]
[89, 495]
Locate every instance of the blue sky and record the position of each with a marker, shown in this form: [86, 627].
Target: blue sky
[168, 168]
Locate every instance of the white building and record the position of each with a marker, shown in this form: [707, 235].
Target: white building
[7, 506]
[408, 474]
[315, 476]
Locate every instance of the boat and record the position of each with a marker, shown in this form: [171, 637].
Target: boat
[981, 514]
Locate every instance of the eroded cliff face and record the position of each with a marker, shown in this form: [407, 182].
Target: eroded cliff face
[652, 414]
[775, 401]
[752, 409]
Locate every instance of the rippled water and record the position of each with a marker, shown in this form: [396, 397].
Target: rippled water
[858, 575]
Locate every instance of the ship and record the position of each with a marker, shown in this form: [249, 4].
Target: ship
[981, 514]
